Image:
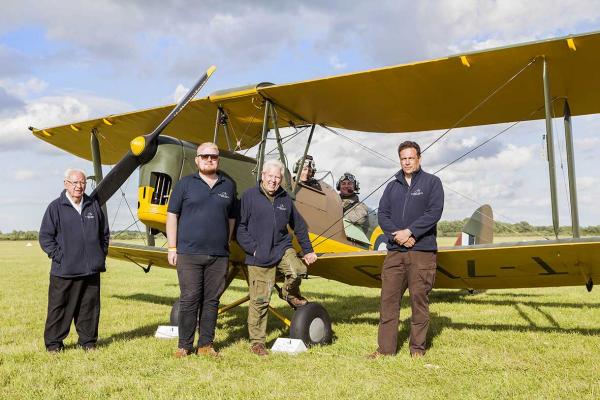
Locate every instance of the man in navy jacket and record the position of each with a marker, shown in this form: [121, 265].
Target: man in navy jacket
[409, 211]
[266, 212]
[75, 235]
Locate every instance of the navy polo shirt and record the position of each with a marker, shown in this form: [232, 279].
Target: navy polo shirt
[204, 213]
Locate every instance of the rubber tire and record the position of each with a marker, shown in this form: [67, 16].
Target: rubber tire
[311, 313]
[174, 318]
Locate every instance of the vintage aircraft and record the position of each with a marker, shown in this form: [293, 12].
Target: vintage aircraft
[545, 79]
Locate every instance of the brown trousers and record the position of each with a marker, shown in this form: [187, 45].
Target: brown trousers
[414, 270]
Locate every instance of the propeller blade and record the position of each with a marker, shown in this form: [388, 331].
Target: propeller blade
[125, 167]
[115, 178]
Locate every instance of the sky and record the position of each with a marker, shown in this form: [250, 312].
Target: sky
[67, 61]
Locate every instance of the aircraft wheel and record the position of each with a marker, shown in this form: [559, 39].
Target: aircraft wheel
[174, 319]
[311, 324]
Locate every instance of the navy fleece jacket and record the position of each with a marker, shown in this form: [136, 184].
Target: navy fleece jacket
[262, 231]
[76, 243]
[417, 207]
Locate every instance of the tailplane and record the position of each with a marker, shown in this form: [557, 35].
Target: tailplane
[479, 229]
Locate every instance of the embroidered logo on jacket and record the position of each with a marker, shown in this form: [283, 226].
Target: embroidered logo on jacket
[417, 192]
[281, 207]
[89, 215]
[224, 195]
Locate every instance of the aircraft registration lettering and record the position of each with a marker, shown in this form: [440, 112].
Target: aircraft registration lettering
[472, 273]
[549, 270]
[363, 269]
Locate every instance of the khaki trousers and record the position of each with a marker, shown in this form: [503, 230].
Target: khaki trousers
[416, 271]
[261, 282]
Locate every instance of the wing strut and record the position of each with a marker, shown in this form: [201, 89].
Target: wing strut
[571, 172]
[550, 145]
[97, 161]
[312, 130]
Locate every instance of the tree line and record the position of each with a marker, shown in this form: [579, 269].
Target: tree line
[445, 228]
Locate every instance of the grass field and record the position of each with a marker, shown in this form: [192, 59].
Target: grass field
[527, 344]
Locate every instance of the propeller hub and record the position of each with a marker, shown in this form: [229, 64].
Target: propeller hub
[138, 145]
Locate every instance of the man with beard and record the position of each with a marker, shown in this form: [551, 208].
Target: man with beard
[266, 212]
[200, 221]
[355, 211]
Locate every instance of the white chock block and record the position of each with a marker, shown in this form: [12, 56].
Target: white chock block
[167, 332]
[290, 346]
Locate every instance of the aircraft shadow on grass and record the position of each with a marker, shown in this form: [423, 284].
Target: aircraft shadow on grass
[364, 309]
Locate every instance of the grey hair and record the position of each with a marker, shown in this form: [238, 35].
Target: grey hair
[71, 171]
[273, 163]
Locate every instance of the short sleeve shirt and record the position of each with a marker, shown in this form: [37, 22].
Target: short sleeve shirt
[203, 214]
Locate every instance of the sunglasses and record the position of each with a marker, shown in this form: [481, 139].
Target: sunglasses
[205, 157]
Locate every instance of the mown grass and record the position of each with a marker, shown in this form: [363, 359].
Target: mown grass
[528, 344]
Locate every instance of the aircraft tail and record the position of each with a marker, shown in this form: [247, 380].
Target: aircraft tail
[479, 229]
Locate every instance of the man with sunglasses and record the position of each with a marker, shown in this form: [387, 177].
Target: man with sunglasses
[74, 233]
[200, 221]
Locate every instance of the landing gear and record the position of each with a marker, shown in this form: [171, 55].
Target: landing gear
[311, 324]
[589, 285]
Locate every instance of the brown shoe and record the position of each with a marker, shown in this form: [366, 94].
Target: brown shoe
[259, 349]
[296, 302]
[181, 353]
[417, 354]
[208, 350]
[375, 355]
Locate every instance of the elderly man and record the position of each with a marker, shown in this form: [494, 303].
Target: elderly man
[266, 212]
[74, 233]
[200, 220]
[307, 172]
[409, 211]
[354, 210]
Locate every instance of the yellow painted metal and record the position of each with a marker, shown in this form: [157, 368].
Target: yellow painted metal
[464, 61]
[566, 262]
[75, 128]
[280, 317]
[152, 215]
[138, 145]
[571, 44]
[234, 304]
[419, 96]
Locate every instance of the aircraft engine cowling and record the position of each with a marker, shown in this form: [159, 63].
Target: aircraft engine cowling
[173, 159]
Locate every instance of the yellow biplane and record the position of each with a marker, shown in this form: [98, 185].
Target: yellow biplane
[540, 80]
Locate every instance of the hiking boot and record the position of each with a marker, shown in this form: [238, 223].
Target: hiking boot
[259, 349]
[180, 353]
[417, 354]
[208, 350]
[296, 302]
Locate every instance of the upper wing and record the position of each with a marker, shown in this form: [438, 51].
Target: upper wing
[436, 94]
[422, 96]
[566, 262]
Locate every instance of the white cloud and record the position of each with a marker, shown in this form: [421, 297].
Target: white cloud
[27, 175]
[23, 89]
[336, 63]
[180, 91]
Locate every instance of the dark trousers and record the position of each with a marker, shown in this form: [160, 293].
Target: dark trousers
[71, 299]
[202, 282]
[414, 270]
